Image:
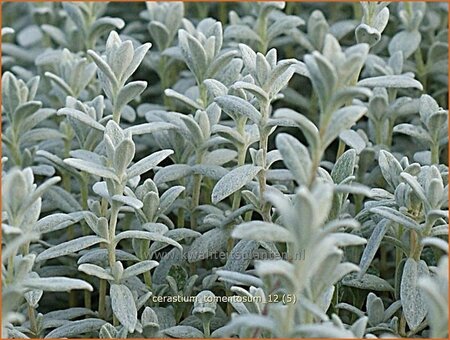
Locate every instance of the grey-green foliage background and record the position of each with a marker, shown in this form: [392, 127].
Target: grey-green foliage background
[288, 157]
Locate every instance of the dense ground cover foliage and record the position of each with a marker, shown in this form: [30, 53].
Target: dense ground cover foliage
[224, 169]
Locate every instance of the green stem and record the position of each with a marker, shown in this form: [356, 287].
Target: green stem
[180, 213]
[378, 133]
[223, 14]
[263, 146]
[435, 153]
[112, 234]
[196, 188]
[206, 329]
[317, 156]
[102, 299]
[15, 153]
[265, 208]
[341, 149]
[390, 132]
[33, 323]
[398, 259]
[421, 68]
[10, 276]
[416, 247]
[261, 28]
[237, 195]
[148, 279]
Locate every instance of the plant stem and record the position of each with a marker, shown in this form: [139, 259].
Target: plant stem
[421, 69]
[112, 234]
[10, 277]
[237, 195]
[15, 153]
[206, 329]
[261, 29]
[435, 153]
[102, 299]
[84, 190]
[263, 146]
[196, 192]
[341, 149]
[378, 133]
[33, 323]
[148, 279]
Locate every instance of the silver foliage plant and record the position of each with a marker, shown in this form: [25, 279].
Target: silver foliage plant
[192, 170]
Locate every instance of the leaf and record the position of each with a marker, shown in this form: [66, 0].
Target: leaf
[215, 87]
[240, 32]
[82, 117]
[183, 332]
[279, 77]
[124, 306]
[92, 168]
[104, 67]
[209, 243]
[372, 246]
[415, 185]
[182, 98]
[215, 172]
[69, 247]
[413, 131]
[392, 81]
[55, 222]
[160, 34]
[145, 235]
[172, 173]
[353, 139]
[262, 231]
[233, 181]
[103, 25]
[344, 166]
[92, 269]
[283, 25]
[128, 200]
[413, 303]
[129, 92]
[239, 278]
[139, 54]
[39, 134]
[295, 156]
[237, 107]
[367, 282]
[307, 127]
[219, 157]
[148, 163]
[56, 284]
[169, 197]
[39, 116]
[76, 328]
[375, 309]
[139, 268]
[390, 168]
[276, 268]
[346, 239]
[27, 109]
[196, 133]
[341, 120]
[436, 242]
[142, 129]
[255, 90]
[367, 34]
[253, 321]
[396, 216]
[406, 42]
[194, 54]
